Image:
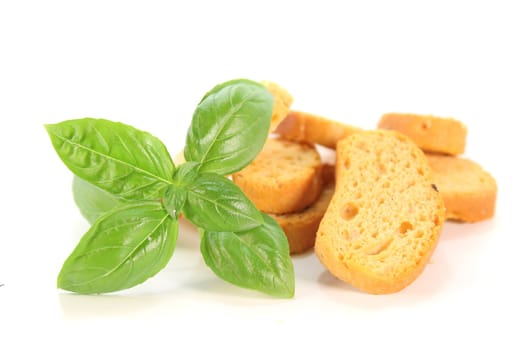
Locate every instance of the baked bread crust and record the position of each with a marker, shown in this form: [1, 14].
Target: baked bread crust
[430, 133]
[282, 100]
[385, 217]
[285, 177]
[469, 192]
[301, 227]
[307, 127]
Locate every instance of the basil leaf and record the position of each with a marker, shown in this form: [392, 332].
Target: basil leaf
[93, 201]
[255, 259]
[174, 199]
[123, 248]
[229, 126]
[175, 195]
[118, 158]
[215, 203]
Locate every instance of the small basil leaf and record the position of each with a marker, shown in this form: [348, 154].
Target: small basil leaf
[123, 248]
[93, 201]
[185, 173]
[215, 203]
[118, 158]
[229, 126]
[174, 199]
[255, 259]
[175, 195]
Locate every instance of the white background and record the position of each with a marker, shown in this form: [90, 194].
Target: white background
[148, 64]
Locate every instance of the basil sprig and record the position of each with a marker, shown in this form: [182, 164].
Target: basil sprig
[128, 188]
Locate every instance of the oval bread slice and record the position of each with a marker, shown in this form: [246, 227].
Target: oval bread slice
[430, 133]
[384, 220]
[301, 227]
[469, 192]
[285, 177]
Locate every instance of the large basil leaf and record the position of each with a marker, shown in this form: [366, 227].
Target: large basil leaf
[93, 201]
[123, 248]
[118, 158]
[255, 259]
[215, 203]
[229, 126]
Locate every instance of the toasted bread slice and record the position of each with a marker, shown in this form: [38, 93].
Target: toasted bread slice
[300, 228]
[469, 192]
[385, 217]
[285, 177]
[430, 133]
[307, 127]
[282, 100]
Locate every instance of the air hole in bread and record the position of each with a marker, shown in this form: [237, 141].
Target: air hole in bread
[420, 171]
[378, 248]
[349, 211]
[405, 227]
[347, 163]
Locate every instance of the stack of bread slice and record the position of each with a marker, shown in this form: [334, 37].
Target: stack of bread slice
[468, 190]
[376, 219]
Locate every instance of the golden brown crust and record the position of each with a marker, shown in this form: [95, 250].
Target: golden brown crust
[430, 133]
[282, 100]
[302, 126]
[469, 192]
[300, 228]
[384, 220]
[285, 177]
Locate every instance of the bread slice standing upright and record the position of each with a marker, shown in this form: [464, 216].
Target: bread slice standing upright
[282, 100]
[385, 217]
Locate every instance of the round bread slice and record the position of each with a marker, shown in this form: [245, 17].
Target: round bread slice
[430, 133]
[307, 127]
[282, 100]
[385, 217]
[285, 177]
[300, 228]
[469, 192]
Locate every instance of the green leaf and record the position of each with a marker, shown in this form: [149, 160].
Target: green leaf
[175, 195]
[215, 203]
[118, 158]
[174, 199]
[93, 201]
[255, 259]
[229, 126]
[122, 249]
